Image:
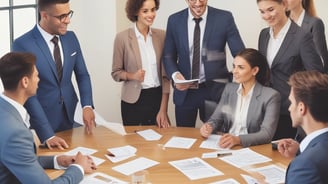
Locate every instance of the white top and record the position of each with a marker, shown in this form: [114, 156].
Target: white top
[275, 43]
[306, 141]
[148, 59]
[300, 18]
[239, 125]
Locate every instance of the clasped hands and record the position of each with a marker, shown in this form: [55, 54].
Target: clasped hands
[84, 161]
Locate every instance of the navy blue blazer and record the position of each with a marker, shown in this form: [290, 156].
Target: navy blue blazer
[18, 161]
[220, 29]
[46, 106]
[297, 53]
[311, 165]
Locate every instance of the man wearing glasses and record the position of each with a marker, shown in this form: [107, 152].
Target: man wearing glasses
[196, 50]
[58, 55]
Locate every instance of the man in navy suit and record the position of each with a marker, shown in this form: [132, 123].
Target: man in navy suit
[18, 161]
[217, 28]
[308, 109]
[52, 108]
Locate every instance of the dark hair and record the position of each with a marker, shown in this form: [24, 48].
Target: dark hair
[255, 59]
[308, 5]
[311, 88]
[44, 4]
[14, 66]
[133, 6]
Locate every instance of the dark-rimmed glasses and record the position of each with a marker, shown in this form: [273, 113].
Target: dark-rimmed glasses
[63, 17]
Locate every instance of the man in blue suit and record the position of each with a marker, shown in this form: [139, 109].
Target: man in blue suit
[217, 28]
[18, 161]
[308, 109]
[52, 108]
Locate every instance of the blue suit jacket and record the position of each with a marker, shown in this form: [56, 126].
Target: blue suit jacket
[220, 29]
[311, 165]
[46, 106]
[18, 162]
[262, 116]
[297, 53]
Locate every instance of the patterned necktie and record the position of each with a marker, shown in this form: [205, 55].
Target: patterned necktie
[196, 49]
[57, 57]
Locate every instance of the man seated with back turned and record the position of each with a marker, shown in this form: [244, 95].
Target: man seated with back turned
[18, 161]
[308, 109]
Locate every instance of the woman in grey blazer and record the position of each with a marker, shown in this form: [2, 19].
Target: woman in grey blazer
[137, 62]
[248, 111]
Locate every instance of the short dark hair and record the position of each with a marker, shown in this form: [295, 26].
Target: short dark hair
[43, 4]
[133, 6]
[311, 88]
[255, 59]
[14, 66]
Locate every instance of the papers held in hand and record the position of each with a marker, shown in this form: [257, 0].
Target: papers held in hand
[191, 81]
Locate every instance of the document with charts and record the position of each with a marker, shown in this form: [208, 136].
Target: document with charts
[195, 168]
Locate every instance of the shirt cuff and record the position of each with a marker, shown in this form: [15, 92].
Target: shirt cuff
[174, 76]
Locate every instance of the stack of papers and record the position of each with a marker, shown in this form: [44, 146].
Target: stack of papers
[121, 153]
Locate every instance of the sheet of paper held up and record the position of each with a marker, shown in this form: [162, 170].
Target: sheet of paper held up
[212, 142]
[86, 151]
[227, 181]
[136, 165]
[149, 135]
[195, 168]
[272, 173]
[180, 142]
[191, 81]
[121, 153]
[245, 157]
[115, 127]
[101, 178]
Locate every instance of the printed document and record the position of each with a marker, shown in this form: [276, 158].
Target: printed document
[272, 173]
[180, 142]
[136, 165]
[149, 135]
[101, 178]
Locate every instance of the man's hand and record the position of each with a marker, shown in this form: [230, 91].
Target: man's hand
[56, 142]
[181, 87]
[85, 162]
[288, 147]
[89, 119]
[65, 160]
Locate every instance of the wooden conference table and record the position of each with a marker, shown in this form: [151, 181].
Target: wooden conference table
[102, 139]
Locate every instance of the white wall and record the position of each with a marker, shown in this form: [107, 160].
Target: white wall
[97, 22]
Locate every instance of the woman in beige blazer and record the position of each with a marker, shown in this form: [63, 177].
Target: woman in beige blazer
[137, 62]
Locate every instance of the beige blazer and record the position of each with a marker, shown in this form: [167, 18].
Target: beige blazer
[127, 58]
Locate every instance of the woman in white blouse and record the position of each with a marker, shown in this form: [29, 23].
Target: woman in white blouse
[248, 111]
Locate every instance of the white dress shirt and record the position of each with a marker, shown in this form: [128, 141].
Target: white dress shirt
[306, 141]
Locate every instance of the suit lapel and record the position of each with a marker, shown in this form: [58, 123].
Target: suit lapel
[135, 47]
[305, 24]
[253, 105]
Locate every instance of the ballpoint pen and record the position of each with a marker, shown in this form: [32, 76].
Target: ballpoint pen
[224, 154]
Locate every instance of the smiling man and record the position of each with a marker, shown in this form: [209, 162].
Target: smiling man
[194, 48]
[58, 55]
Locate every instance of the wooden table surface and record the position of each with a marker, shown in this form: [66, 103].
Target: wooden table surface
[102, 139]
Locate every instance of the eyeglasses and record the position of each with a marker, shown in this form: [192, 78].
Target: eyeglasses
[194, 1]
[63, 17]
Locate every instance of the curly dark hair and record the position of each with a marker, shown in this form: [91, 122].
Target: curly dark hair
[133, 6]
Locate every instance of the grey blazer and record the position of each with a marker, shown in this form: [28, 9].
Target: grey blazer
[262, 116]
[127, 58]
[18, 161]
[297, 53]
[315, 26]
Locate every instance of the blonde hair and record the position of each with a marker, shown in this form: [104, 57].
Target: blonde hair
[309, 7]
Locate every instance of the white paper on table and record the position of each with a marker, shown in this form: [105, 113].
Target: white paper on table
[149, 135]
[245, 157]
[115, 127]
[195, 168]
[136, 165]
[180, 142]
[212, 142]
[101, 178]
[227, 181]
[121, 153]
[83, 150]
[272, 173]
[249, 179]
[97, 160]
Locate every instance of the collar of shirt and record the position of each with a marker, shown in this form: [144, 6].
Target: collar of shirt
[306, 141]
[282, 33]
[138, 34]
[204, 16]
[21, 110]
[250, 92]
[300, 18]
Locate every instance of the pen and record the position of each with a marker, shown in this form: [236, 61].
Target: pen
[110, 154]
[224, 154]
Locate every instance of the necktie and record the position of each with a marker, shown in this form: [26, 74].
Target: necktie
[57, 57]
[196, 50]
